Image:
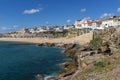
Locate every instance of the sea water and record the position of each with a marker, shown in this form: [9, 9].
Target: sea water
[21, 61]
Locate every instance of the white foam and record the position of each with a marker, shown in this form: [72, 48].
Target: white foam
[49, 76]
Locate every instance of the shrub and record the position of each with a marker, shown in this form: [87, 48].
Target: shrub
[101, 64]
[96, 42]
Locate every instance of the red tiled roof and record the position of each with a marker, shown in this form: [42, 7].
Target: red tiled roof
[99, 21]
[79, 25]
[89, 22]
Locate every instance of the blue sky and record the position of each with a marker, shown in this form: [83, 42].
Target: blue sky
[17, 14]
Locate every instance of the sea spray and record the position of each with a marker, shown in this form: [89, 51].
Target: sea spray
[54, 75]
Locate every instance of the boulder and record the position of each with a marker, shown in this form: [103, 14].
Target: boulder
[41, 44]
[92, 53]
[39, 77]
[47, 44]
[68, 69]
[105, 49]
[50, 44]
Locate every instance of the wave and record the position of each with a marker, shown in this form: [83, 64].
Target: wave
[50, 76]
[63, 51]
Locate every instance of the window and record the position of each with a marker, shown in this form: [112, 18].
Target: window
[118, 19]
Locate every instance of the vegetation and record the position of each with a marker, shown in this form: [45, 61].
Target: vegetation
[96, 42]
[101, 64]
[103, 67]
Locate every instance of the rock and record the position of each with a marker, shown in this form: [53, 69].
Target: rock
[108, 52]
[68, 65]
[39, 77]
[92, 53]
[69, 68]
[50, 44]
[60, 45]
[47, 44]
[105, 49]
[70, 46]
[87, 48]
[42, 44]
[67, 72]
[52, 78]
[70, 53]
[84, 65]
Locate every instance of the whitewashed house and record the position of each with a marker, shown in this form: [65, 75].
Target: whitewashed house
[41, 29]
[88, 24]
[32, 30]
[78, 24]
[111, 22]
[67, 27]
[84, 23]
[57, 28]
[107, 23]
[116, 21]
[96, 24]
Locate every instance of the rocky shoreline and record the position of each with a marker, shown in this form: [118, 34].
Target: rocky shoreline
[68, 68]
[88, 56]
[72, 51]
[90, 59]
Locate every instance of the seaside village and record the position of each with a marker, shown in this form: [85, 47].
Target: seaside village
[97, 59]
[79, 27]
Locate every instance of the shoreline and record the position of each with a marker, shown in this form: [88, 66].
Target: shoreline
[59, 75]
[82, 39]
[58, 42]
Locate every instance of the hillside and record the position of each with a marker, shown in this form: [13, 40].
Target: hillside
[103, 63]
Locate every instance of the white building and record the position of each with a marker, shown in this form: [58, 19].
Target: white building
[116, 20]
[78, 24]
[88, 24]
[111, 22]
[32, 30]
[84, 23]
[96, 24]
[41, 29]
[107, 23]
[67, 27]
[57, 28]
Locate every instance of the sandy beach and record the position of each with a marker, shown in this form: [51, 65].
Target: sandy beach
[83, 39]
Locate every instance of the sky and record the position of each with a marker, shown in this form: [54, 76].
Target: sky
[18, 14]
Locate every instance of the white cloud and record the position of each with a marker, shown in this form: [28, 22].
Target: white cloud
[32, 11]
[9, 28]
[106, 15]
[118, 10]
[6, 28]
[83, 10]
[68, 21]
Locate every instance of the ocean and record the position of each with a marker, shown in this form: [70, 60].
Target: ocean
[22, 61]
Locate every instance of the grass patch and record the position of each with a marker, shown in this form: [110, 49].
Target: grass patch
[101, 64]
